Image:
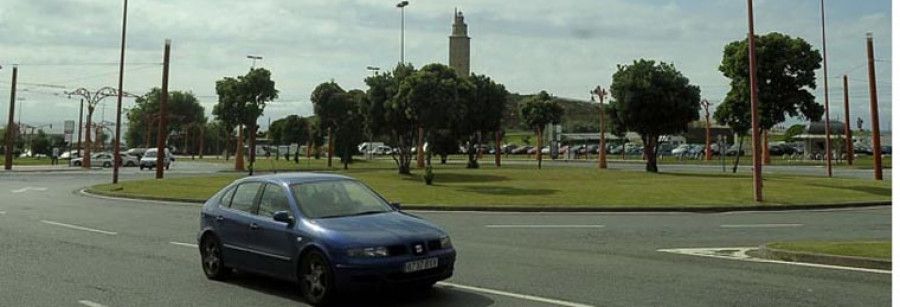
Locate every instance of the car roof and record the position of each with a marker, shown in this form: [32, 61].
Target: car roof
[298, 177]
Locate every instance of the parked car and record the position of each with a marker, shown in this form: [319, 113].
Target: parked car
[101, 158]
[129, 160]
[137, 152]
[521, 150]
[781, 149]
[149, 159]
[382, 150]
[330, 233]
[886, 150]
[733, 150]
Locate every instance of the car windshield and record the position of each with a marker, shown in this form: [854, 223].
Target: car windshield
[337, 198]
[150, 154]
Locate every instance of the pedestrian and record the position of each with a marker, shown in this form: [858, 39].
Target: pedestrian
[54, 158]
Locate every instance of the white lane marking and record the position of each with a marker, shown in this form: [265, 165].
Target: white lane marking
[25, 189]
[544, 226]
[740, 254]
[514, 295]
[761, 226]
[79, 228]
[184, 244]
[90, 304]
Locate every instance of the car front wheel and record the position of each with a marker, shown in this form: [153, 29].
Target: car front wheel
[316, 279]
[213, 263]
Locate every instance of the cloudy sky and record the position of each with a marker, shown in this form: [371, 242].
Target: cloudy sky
[565, 47]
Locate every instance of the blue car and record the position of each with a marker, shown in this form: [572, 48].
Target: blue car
[330, 233]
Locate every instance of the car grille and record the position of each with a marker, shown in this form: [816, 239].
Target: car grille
[434, 245]
[397, 250]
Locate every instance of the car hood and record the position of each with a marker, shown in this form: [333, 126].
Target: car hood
[376, 229]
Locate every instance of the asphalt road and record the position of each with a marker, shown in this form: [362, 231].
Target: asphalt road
[60, 248]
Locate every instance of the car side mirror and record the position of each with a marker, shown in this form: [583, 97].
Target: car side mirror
[284, 217]
[396, 206]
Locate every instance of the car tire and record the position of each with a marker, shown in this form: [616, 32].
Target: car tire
[129, 164]
[107, 164]
[76, 163]
[167, 166]
[211, 259]
[142, 167]
[316, 279]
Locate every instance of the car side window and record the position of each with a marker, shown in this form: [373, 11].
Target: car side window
[225, 201]
[273, 200]
[245, 197]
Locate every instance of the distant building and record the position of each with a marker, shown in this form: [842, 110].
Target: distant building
[459, 45]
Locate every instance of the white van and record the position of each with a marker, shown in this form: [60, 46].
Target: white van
[149, 159]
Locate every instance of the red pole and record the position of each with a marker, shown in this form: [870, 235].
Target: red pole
[873, 104]
[705, 104]
[847, 136]
[754, 106]
[827, 117]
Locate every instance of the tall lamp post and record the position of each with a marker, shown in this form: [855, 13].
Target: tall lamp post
[601, 93]
[401, 5]
[254, 58]
[92, 100]
[705, 104]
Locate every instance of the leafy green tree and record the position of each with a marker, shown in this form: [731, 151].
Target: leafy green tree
[483, 112]
[538, 112]
[794, 131]
[386, 116]
[330, 104]
[653, 99]
[786, 73]
[242, 101]
[433, 98]
[40, 144]
[183, 108]
[350, 127]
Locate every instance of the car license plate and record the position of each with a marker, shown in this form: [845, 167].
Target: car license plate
[419, 265]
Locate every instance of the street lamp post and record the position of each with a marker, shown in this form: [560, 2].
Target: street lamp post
[825, 78]
[254, 58]
[601, 93]
[92, 99]
[705, 104]
[401, 5]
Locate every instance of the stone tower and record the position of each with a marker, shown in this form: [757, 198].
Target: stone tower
[459, 45]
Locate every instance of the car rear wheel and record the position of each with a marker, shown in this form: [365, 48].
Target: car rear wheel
[213, 263]
[76, 163]
[107, 164]
[316, 279]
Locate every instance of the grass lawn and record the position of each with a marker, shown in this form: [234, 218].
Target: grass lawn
[521, 185]
[870, 249]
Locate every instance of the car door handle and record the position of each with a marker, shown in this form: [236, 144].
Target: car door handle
[254, 226]
[220, 219]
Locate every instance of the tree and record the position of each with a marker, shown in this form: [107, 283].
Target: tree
[793, 131]
[386, 116]
[434, 98]
[241, 102]
[736, 116]
[350, 127]
[785, 70]
[183, 108]
[483, 112]
[330, 104]
[653, 99]
[538, 112]
[295, 130]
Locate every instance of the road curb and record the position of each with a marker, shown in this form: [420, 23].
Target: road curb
[848, 261]
[558, 208]
[50, 170]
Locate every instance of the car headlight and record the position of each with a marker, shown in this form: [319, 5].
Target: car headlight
[380, 251]
[445, 243]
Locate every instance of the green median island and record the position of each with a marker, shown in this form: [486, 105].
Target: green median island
[867, 249]
[526, 185]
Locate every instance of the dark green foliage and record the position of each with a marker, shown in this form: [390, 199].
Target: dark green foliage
[785, 73]
[184, 111]
[653, 99]
[538, 112]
